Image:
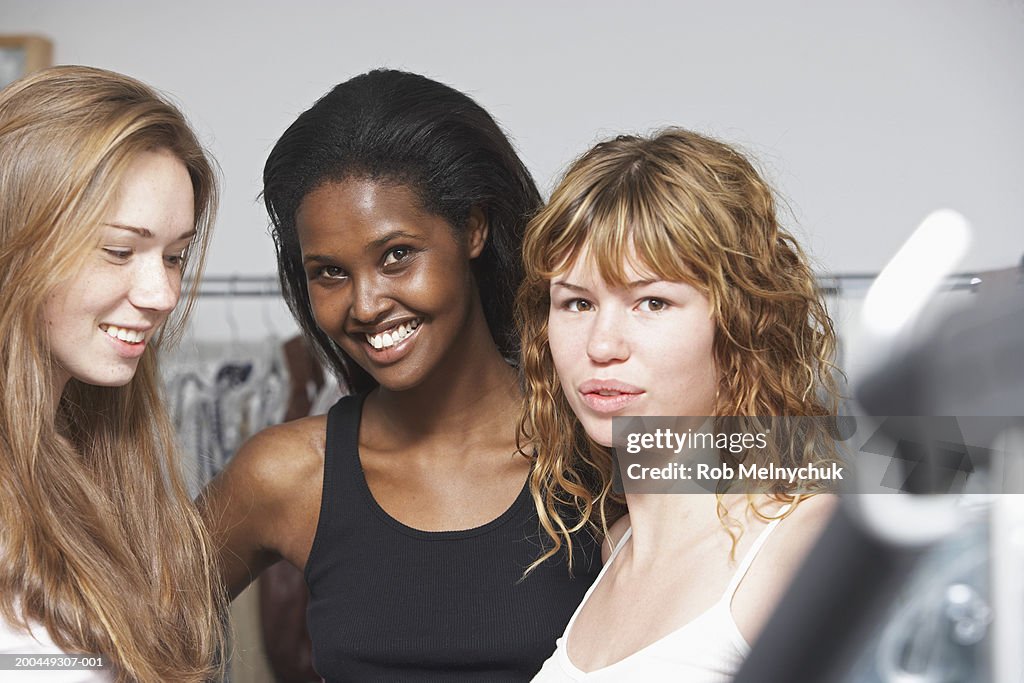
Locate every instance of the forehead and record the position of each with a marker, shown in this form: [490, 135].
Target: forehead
[155, 194]
[586, 266]
[352, 216]
[621, 267]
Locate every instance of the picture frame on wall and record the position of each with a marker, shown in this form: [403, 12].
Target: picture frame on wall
[21, 55]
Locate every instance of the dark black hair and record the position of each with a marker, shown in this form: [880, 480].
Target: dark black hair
[401, 127]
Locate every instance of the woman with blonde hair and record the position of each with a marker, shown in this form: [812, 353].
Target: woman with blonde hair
[106, 202]
[659, 283]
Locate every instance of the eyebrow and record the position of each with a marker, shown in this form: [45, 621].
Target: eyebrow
[373, 245]
[143, 232]
[576, 288]
[316, 258]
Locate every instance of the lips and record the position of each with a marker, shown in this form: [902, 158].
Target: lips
[391, 341]
[128, 335]
[128, 343]
[393, 334]
[609, 395]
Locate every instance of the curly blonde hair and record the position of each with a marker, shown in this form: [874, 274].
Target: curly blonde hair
[681, 207]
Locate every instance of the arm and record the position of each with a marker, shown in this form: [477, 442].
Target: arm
[265, 504]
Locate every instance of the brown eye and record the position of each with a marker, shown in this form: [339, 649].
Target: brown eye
[329, 273]
[578, 305]
[653, 305]
[397, 254]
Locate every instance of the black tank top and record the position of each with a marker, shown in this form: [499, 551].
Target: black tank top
[393, 603]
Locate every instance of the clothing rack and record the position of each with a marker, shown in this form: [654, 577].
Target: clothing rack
[831, 284]
[227, 286]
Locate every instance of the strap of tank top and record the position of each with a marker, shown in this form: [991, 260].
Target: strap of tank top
[618, 546]
[341, 455]
[748, 559]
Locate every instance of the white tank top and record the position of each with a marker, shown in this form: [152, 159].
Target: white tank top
[708, 649]
[17, 641]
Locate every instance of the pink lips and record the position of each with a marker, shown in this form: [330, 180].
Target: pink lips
[609, 395]
[126, 350]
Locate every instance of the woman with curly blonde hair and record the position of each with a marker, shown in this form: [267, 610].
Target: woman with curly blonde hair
[658, 282]
[106, 201]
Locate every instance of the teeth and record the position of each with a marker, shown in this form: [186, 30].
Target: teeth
[129, 336]
[389, 338]
[605, 392]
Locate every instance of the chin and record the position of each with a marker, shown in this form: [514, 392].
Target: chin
[399, 381]
[117, 377]
[599, 431]
[109, 382]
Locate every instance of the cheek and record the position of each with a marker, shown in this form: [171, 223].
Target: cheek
[565, 343]
[690, 368]
[436, 284]
[326, 310]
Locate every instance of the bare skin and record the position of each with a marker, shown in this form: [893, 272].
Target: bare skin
[437, 438]
[676, 565]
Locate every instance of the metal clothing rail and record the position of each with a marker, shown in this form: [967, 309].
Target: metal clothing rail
[831, 284]
[229, 286]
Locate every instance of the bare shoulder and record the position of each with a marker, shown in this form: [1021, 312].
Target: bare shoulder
[265, 504]
[779, 561]
[805, 523]
[281, 458]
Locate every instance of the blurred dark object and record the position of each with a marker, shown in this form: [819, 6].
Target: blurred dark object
[971, 364]
[283, 598]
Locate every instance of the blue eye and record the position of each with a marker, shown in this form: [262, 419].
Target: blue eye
[175, 260]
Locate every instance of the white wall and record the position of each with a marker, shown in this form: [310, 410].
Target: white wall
[866, 115]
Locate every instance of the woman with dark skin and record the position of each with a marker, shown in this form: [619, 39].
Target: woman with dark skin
[398, 208]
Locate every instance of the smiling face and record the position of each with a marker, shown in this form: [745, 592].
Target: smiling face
[389, 282]
[641, 349]
[100, 320]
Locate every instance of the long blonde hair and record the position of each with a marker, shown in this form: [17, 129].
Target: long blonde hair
[682, 207]
[99, 540]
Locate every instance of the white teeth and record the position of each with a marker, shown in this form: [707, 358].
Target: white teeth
[129, 336]
[383, 340]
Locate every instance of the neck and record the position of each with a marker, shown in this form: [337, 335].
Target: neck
[666, 523]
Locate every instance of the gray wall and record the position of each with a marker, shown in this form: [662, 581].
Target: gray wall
[866, 115]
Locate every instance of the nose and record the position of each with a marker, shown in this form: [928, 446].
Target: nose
[155, 286]
[607, 337]
[370, 300]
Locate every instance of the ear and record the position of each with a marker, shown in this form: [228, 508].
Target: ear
[476, 232]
